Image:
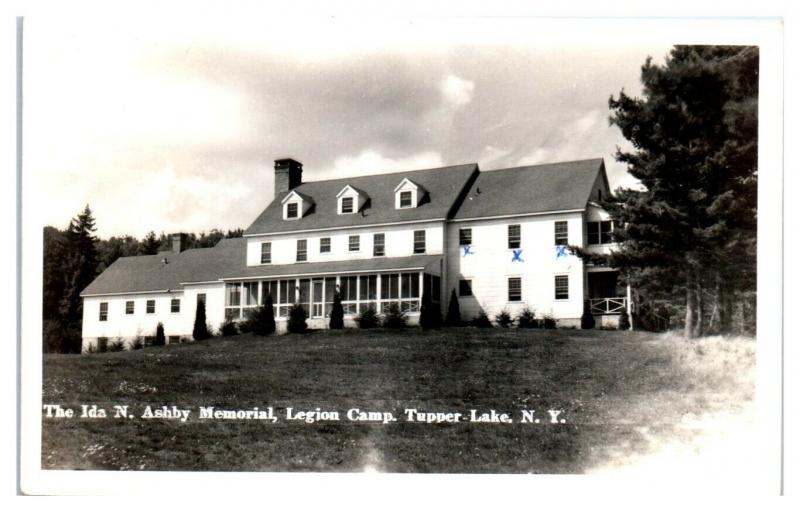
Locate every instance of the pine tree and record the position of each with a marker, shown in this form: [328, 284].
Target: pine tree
[337, 312]
[160, 340]
[200, 331]
[453, 318]
[297, 319]
[587, 319]
[429, 315]
[691, 232]
[264, 318]
[150, 244]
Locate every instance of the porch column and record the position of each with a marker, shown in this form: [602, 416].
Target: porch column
[421, 289]
[628, 305]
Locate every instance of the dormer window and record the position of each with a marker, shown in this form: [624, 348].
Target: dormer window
[291, 210]
[351, 200]
[296, 205]
[408, 194]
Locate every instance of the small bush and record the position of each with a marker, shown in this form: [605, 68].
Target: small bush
[503, 319]
[137, 343]
[228, 328]
[200, 330]
[160, 339]
[548, 322]
[587, 319]
[394, 318]
[116, 346]
[102, 344]
[453, 318]
[527, 319]
[337, 313]
[262, 319]
[368, 319]
[91, 349]
[297, 319]
[624, 321]
[482, 321]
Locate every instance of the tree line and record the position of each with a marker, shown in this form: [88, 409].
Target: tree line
[74, 256]
[688, 236]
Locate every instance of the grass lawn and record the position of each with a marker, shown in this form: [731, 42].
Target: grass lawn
[622, 393]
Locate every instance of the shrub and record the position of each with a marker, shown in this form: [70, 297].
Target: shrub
[160, 340]
[430, 317]
[116, 346]
[200, 331]
[262, 319]
[624, 322]
[137, 343]
[368, 319]
[548, 322]
[337, 312]
[504, 319]
[482, 320]
[453, 317]
[297, 319]
[587, 319]
[228, 328]
[527, 319]
[394, 318]
[91, 349]
[102, 344]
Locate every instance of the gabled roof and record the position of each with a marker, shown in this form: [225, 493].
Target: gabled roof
[295, 193]
[531, 189]
[444, 186]
[410, 182]
[354, 189]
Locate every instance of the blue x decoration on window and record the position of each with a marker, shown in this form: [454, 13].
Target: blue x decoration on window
[468, 250]
[561, 251]
[517, 256]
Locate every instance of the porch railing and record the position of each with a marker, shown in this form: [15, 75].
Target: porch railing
[608, 305]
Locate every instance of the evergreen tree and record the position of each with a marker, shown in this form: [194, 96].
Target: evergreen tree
[200, 331]
[297, 319]
[150, 244]
[430, 317]
[160, 340]
[337, 312]
[264, 318]
[453, 318]
[691, 233]
[587, 319]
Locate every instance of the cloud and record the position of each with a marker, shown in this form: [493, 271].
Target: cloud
[457, 91]
[372, 162]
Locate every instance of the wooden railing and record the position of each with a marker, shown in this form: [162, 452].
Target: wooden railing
[608, 305]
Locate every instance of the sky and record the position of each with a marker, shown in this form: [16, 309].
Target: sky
[173, 125]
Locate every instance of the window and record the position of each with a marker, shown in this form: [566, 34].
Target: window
[175, 306]
[266, 252]
[562, 287]
[347, 205]
[291, 211]
[201, 297]
[354, 243]
[103, 311]
[129, 307]
[378, 244]
[324, 245]
[562, 232]
[419, 242]
[151, 306]
[513, 236]
[405, 199]
[600, 232]
[514, 289]
[465, 287]
[251, 293]
[465, 236]
[302, 250]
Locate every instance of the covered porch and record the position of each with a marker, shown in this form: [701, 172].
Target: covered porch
[606, 295]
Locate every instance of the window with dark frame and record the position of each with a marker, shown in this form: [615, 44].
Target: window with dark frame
[266, 252]
[354, 243]
[175, 306]
[562, 287]
[129, 307]
[347, 205]
[405, 199]
[378, 244]
[514, 289]
[291, 211]
[324, 245]
[600, 232]
[419, 242]
[561, 232]
[103, 311]
[465, 236]
[465, 287]
[302, 250]
[151, 307]
[514, 237]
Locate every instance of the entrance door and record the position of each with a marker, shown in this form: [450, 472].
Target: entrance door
[317, 298]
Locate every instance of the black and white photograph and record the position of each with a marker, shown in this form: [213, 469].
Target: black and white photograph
[404, 245]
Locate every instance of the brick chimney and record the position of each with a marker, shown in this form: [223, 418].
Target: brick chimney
[178, 242]
[288, 175]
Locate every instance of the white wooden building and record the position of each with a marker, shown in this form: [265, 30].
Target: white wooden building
[498, 238]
